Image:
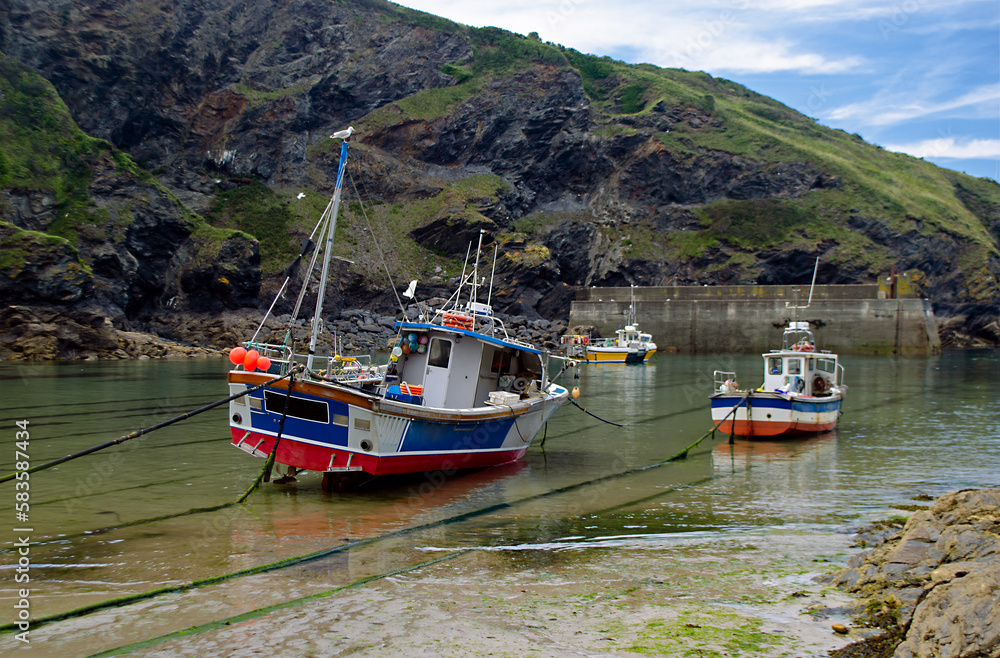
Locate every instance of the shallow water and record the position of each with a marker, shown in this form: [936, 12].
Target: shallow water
[910, 428]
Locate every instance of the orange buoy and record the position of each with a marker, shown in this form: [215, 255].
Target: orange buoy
[263, 363]
[250, 362]
[236, 355]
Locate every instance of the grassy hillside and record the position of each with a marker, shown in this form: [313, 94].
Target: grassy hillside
[635, 111]
[898, 190]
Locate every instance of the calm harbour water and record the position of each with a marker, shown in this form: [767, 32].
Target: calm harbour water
[910, 427]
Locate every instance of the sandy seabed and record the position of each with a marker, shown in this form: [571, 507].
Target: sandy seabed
[746, 593]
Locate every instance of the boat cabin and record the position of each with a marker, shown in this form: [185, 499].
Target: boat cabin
[797, 367]
[630, 336]
[802, 373]
[459, 370]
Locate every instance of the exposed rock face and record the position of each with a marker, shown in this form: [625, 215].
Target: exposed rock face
[942, 572]
[39, 268]
[156, 78]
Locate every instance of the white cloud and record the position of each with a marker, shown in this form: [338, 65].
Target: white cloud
[867, 64]
[950, 147]
[883, 111]
[713, 35]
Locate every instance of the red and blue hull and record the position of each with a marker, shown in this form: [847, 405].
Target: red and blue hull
[774, 414]
[334, 429]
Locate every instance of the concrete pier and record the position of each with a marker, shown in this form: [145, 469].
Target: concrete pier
[847, 319]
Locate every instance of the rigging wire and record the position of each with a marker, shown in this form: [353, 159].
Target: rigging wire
[371, 232]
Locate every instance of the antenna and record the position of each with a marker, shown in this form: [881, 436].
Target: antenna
[475, 270]
[811, 286]
[462, 281]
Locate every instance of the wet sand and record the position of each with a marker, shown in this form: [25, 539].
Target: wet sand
[726, 594]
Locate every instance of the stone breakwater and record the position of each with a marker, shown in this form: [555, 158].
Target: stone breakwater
[934, 585]
[38, 333]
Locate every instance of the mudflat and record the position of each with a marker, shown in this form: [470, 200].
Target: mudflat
[750, 593]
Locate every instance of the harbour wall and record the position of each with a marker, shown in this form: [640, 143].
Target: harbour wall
[846, 319]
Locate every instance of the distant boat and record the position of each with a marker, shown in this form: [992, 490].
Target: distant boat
[629, 345]
[458, 391]
[802, 391]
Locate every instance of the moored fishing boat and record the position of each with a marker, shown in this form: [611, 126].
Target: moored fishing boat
[802, 391]
[628, 346]
[458, 392]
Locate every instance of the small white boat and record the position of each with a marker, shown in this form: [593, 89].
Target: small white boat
[458, 391]
[802, 391]
[628, 346]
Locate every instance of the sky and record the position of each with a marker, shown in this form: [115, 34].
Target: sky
[916, 76]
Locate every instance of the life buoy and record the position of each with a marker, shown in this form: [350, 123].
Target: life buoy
[411, 389]
[819, 385]
[585, 340]
[802, 347]
[457, 321]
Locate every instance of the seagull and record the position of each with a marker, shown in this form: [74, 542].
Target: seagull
[301, 194]
[342, 134]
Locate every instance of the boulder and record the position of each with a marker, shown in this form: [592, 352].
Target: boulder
[936, 583]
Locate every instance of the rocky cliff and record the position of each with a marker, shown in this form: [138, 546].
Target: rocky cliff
[164, 161]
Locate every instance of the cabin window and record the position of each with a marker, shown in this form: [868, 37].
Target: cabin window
[501, 362]
[297, 407]
[774, 365]
[439, 353]
[826, 365]
[795, 366]
[234, 390]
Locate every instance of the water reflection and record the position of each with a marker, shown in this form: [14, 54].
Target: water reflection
[920, 426]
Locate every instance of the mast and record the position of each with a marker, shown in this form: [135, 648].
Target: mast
[328, 252]
[631, 304]
[813, 284]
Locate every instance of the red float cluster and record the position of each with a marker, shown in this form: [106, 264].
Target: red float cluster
[249, 360]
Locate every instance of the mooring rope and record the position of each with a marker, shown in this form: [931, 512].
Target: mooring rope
[266, 610]
[683, 453]
[265, 473]
[125, 600]
[609, 422]
[137, 433]
[292, 561]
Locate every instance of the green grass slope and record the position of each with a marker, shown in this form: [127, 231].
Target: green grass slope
[897, 190]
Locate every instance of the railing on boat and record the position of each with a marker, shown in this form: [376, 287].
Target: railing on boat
[476, 320]
[724, 381]
[346, 369]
